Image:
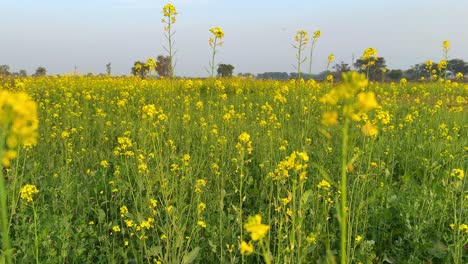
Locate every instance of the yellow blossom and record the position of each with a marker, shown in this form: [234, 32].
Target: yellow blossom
[329, 118]
[244, 137]
[317, 34]
[201, 208]
[446, 46]
[246, 248]
[201, 223]
[369, 130]
[217, 32]
[123, 210]
[366, 101]
[27, 192]
[104, 164]
[459, 173]
[463, 228]
[255, 227]
[324, 185]
[169, 10]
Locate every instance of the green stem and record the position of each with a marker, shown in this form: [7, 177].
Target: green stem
[240, 202]
[299, 59]
[36, 238]
[343, 188]
[294, 228]
[213, 57]
[310, 57]
[3, 204]
[169, 37]
[266, 256]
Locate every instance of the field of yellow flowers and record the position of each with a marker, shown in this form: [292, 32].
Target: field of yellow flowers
[125, 170]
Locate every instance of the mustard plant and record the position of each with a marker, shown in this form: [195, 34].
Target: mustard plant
[315, 37]
[169, 12]
[301, 39]
[215, 42]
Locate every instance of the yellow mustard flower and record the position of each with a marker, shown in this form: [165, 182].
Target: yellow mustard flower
[255, 227]
[324, 184]
[329, 118]
[369, 130]
[27, 192]
[246, 248]
[169, 10]
[459, 173]
[201, 224]
[217, 32]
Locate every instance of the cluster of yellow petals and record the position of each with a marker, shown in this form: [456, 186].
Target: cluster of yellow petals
[169, 10]
[245, 144]
[246, 248]
[151, 64]
[297, 162]
[217, 32]
[317, 34]
[18, 123]
[302, 37]
[369, 57]
[255, 227]
[27, 192]
[446, 46]
[351, 92]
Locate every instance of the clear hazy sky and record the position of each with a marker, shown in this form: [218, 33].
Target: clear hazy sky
[60, 34]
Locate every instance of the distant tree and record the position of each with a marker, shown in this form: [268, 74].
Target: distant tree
[163, 65]
[413, 74]
[246, 74]
[420, 70]
[342, 67]
[40, 71]
[395, 74]
[273, 75]
[109, 68]
[140, 69]
[305, 76]
[4, 70]
[375, 70]
[339, 70]
[225, 70]
[457, 65]
[22, 73]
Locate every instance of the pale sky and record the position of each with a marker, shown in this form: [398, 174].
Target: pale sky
[59, 34]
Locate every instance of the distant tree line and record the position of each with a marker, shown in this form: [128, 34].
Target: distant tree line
[5, 71]
[377, 71]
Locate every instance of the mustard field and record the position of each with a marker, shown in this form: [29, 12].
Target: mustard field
[125, 170]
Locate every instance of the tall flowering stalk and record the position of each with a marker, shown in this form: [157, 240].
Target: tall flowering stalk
[26, 194]
[18, 126]
[301, 39]
[444, 62]
[215, 41]
[330, 60]
[315, 37]
[428, 64]
[169, 13]
[351, 99]
[369, 58]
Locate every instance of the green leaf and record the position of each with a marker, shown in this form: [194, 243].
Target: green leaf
[191, 256]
